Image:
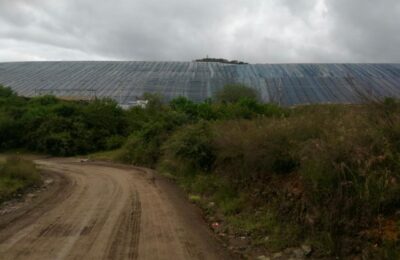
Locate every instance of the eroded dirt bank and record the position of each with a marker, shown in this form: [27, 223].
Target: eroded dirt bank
[103, 211]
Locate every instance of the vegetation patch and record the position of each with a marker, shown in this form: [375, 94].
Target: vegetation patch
[325, 177]
[16, 175]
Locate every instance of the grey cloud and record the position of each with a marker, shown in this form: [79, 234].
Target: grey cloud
[300, 7]
[250, 30]
[369, 30]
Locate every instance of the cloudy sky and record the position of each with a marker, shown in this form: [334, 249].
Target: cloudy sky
[257, 31]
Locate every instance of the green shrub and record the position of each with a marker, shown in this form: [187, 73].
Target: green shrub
[6, 92]
[233, 93]
[195, 112]
[8, 132]
[104, 119]
[47, 100]
[184, 105]
[140, 151]
[61, 136]
[61, 144]
[49, 125]
[113, 142]
[143, 147]
[192, 146]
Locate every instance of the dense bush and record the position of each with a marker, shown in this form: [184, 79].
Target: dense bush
[149, 128]
[143, 146]
[244, 108]
[328, 174]
[233, 93]
[192, 146]
[205, 111]
[49, 125]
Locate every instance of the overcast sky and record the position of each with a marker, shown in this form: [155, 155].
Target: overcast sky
[257, 31]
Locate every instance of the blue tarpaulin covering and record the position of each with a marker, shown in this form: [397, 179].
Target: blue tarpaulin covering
[287, 84]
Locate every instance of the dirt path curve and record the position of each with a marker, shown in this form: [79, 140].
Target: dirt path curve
[103, 211]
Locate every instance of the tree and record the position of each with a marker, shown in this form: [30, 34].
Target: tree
[6, 92]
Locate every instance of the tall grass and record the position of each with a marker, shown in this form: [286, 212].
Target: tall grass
[328, 173]
[17, 174]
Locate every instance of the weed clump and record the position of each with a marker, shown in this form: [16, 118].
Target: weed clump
[17, 174]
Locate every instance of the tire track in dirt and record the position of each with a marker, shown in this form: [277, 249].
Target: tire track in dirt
[125, 246]
[105, 211]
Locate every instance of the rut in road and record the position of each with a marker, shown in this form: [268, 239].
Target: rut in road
[103, 211]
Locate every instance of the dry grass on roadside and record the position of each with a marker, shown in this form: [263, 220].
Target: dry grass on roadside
[17, 174]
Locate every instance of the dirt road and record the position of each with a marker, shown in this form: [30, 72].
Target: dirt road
[102, 211]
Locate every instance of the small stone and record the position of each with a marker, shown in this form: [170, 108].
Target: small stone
[48, 181]
[211, 204]
[306, 249]
[31, 195]
[298, 253]
[263, 257]
[277, 255]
